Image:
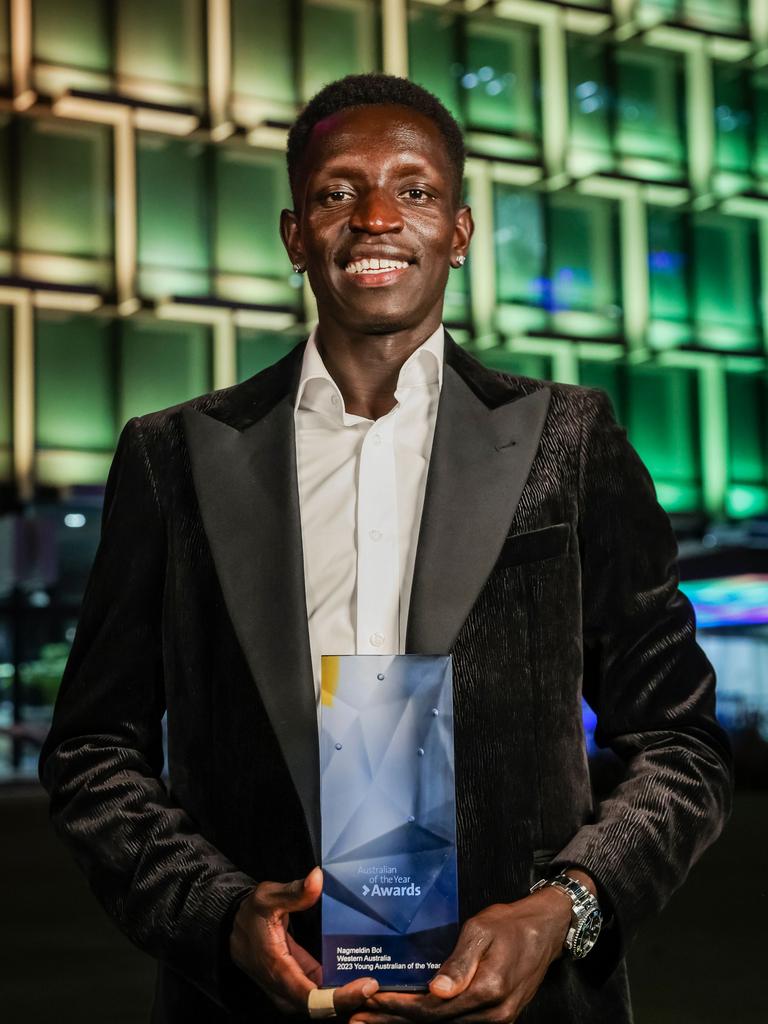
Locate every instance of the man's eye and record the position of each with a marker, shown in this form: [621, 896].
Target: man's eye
[337, 195]
[417, 193]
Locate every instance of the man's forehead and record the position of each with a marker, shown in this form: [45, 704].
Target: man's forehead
[346, 129]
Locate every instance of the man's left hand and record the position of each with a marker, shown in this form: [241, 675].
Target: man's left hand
[500, 960]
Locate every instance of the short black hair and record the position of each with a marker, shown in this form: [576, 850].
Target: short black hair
[375, 88]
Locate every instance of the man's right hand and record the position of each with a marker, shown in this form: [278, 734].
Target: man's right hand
[261, 946]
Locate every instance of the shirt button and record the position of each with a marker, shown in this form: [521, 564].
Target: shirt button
[375, 534]
[375, 639]
[376, 439]
[335, 399]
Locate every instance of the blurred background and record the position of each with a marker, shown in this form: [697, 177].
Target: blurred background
[618, 176]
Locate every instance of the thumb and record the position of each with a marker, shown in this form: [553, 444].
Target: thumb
[461, 966]
[300, 894]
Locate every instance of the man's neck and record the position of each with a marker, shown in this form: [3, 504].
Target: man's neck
[366, 367]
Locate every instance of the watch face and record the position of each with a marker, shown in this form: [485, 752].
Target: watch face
[586, 933]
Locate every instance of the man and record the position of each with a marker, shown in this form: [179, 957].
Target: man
[242, 539]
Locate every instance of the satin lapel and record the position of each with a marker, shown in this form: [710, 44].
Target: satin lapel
[246, 483]
[480, 460]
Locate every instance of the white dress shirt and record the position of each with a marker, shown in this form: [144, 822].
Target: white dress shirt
[361, 492]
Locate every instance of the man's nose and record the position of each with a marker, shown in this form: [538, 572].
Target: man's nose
[376, 213]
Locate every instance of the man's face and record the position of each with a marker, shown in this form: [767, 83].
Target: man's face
[376, 184]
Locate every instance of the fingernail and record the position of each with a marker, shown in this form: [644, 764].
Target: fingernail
[443, 983]
[369, 988]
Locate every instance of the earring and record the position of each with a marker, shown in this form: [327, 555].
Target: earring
[461, 260]
[298, 269]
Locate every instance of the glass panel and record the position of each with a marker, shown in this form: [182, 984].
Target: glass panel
[6, 205]
[433, 46]
[75, 36]
[760, 101]
[65, 196]
[6, 394]
[716, 15]
[663, 427]
[649, 11]
[456, 308]
[173, 214]
[251, 190]
[599, 373]
[590, 99]
[339, 38]
[524, 364]
[668, 269]
[501, 78]
[265, 27]
[725, 282]
[520, 247]
[733, 119]
[584, 273]
[649, 114]
[161, 50]
[258, 349]
[161, 364]
[74, 379]
[747, 396]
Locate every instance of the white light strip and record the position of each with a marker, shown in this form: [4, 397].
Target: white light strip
[394, 32]
[21, 54]
[219, 62]
[169, 122]
[224, 353]
[126, 244]
[75, 302]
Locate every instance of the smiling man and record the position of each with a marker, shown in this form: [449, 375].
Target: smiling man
[379, 491]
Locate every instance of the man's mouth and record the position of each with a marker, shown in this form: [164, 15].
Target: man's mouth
[375, 266]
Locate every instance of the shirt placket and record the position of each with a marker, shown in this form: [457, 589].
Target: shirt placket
[378, 569]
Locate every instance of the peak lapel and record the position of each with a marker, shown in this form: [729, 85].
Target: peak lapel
[246, 483]
[481, 456]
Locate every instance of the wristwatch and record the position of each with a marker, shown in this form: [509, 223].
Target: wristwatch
[586, 916]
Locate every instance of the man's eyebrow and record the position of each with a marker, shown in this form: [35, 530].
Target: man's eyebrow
[331, 168]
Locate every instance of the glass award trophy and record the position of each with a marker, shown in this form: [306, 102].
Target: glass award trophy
[389, 904]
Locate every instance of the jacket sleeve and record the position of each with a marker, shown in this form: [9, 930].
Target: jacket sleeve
[651, 686]
[167, 888]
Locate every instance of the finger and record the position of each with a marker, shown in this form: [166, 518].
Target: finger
[351, 997]
[459, 969]
[410, 1006]
[486, 991]
[378, 1018]
[305, 960]
[290, 896]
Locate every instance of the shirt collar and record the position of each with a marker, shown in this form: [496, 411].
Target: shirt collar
[316, 388]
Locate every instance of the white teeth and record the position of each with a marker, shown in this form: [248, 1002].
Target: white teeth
[375, 266]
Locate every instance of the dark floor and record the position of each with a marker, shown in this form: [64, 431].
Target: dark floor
[61, 961]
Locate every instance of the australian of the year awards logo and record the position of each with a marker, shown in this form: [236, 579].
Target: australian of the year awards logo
[385, 880]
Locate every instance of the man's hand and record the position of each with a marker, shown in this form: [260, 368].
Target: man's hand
[261, 946]
[499, 962]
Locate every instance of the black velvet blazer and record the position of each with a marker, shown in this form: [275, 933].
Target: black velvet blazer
[545, 565]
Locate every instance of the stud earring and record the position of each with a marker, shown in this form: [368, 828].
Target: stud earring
[298, 269]
[461, 260]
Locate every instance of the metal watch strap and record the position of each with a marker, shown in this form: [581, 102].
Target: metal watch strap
[584, 904]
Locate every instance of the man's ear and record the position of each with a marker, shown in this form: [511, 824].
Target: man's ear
[463, 228]
[291, 236]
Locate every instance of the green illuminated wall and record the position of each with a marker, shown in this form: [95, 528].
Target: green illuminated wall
[618, 176]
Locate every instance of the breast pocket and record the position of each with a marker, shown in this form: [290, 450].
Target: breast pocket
[535, 545]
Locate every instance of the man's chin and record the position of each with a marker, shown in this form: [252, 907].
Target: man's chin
[381, 323]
